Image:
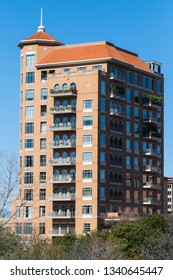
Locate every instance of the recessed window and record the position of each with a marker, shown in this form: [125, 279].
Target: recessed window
[103, 87]
[97, 67]
[136, 79]
[43, 126]
[128, 111]
[28, 194]
[102, 175]
[43, 160]
[87, 174]
[29, 95]
[128, 76]
[67, 69]
[102, 157]
[103, 105]
[87, 157]
[28, 178]
[43, 75]
[42, 194]
[42, 143]
[42, 177]
[18, 228]
[128, 94]
[29, 143]
[30, 77]
[103, 122]
[87, 228]
[87, 209]
[43, 110]
[103, 140]
[44, 93]
[81, 68]
[87, 139]
[144, 82]
[29, 128]
[87, 104]
[27, 228]
[29, 161]
[87, 192]
[158, 86]
[29, 112]
[28, 211]
[42, 211]
[42, 228]
[87, 120]
[30, 60]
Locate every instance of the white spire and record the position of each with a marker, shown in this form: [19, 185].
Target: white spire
[41, 28]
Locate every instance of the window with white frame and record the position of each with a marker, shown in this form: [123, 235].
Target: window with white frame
[27, 229]
[87, 139]
[86, 192]
[43, 127]
[29, 111]
[87, 174]
[87, 105]
[87, 157]
[88, 121]
[29, 95]
[28, 211]
[102, 175]
[30, 60]
[87, 228]
[87, 209]
[18, 212]
[44, 93]
[81, 68]
[42, 211]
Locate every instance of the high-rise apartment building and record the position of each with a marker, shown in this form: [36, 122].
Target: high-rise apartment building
[91, 139]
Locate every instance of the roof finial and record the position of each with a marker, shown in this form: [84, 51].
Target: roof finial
[41, 28]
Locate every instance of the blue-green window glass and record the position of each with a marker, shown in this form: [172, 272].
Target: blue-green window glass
[136, 113]
[150, 84]
[136, 128]
[144, 82]
[30, 77]
[128, 76]
[128, 127]
[136, 96]
[136, 79]
[103, 105]
[103, 87]
[29, 94]
[128, 95]
[128, 111]
[159, 86]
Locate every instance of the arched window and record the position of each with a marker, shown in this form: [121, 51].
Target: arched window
[56, 191]
[64, 174]
[57, 103]
[116, 126]
[72, 190]
[56, 173]
[64, 192]
[65, 103]
[73, 122]
[116, 176]
[111, 176]
[73, 85]
[112, 124]
[64, 156]
[72, 210]
[120, 126]
[56, 87]
[116, 142]
[111, 158]
[116, 194]
[111, 140]
[56, 209]
[116, 160]
[73, 103]
[72, 155]
[56, 139]
[72, 173]
[73, 139]
[63, 210]
[57, 121]
[120, 194]
[65, 86]
[56, 155]
[111, 192]
[65, 121]
[120, 177]
[65, 139]
[120, 160]
[120, 143]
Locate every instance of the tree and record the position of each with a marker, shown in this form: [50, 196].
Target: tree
[8, 181]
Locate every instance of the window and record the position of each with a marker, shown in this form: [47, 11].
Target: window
[29, 128]
[18, 228]
[128, 76]
[150, 84]
[97, 67]
[81, 68]
[86, 227]
[136, 96]
[43, 127]
[29, 143]
[27, 228]
[136, 128]
[128, 145]
[87, 209]
[29, 161]
[128, 111]
[102, 193]
[102, 157]
[43, 75]
[28, 194]
[44, 93]
[87, 157]
[102, 174]
[87, 121]
[128, 95]
[43, 160]
[42, 177]
[21, 62]
[87, 139]
[42, 143]
[41, 228]
[144, 82]
[42, 194]
[30, 77]
[28, 211]
[21, 79]
[87, 104]
[136, 146]
[29, 95]
[136, 79]
[87, 192]
[43, 110]
[65, 70]
[28, 178]
[42, 211]
[103, 88]
[136, 163]
[103, 122]
[128, 162]
[29, 111]
[158, 86]
[30, 60]
[103, 140]
[128, 128]
[103, 105]
[87, 174]
[18, 212]
[136, 113]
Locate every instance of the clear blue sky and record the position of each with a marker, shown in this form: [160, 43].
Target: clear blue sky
[144, 27]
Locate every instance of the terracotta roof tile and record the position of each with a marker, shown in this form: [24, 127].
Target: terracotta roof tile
[92, 51]
[41, 36]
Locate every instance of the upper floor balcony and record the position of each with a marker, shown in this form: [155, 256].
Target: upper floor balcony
[62, 161]
[62, 144]
[61, 179]
[117, 113]
[151, 185]
[153, 169]
[151, 152]
[63, 93]
[151, 201]
[152, 135]
[62, 109]
[62, 197]
[152, 120]
[63, 127]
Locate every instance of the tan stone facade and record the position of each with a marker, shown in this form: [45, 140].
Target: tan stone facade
[91, 143]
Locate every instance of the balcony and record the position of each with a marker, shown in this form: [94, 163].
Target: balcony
[60, 179]
[62, 110]
[60, 162]
[61, 197]
[153, 169]
[117, 95]
[152, 120]
[150, 104]
[151, 185]
[63, 93]
[61, 127]
[151, 152]
[152, 135]
[62, 144]
[62, 215]
[115, 112]
[151, 201]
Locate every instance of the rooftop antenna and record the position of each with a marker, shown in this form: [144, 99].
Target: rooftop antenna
[41, 28]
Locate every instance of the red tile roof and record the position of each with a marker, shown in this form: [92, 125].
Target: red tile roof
[40, 36]
[100, 50]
